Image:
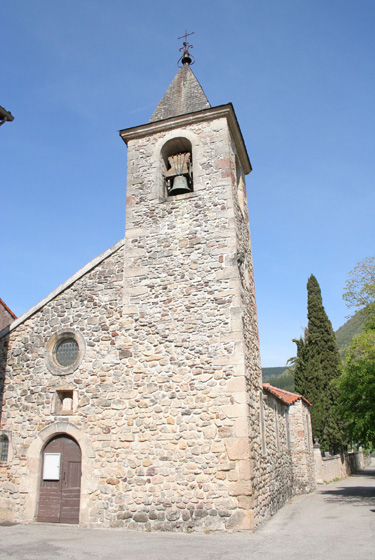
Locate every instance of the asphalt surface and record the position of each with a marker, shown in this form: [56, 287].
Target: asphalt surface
[336, 522]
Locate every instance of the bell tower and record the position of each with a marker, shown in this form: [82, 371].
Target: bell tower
[190, 325]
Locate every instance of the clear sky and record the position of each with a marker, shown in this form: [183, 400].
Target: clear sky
[301, 77]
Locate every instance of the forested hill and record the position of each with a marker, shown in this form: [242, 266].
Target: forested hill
[352, 327]
[278, 377]
[281, 376]
[270, 372]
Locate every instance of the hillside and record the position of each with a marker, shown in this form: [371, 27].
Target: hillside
[351, 328]
[282, 378]
[271, 372]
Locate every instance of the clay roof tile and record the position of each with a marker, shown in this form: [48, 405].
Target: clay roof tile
[284, 396]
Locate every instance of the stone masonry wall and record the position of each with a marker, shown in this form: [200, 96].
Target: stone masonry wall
[183, 312]
[302, 447]
[249, 319]
[166, 398]
[275, 475]
[93, 307]
[334, 467]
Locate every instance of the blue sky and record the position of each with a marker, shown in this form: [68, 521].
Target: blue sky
[301, 76]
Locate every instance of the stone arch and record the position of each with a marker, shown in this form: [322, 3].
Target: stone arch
[188, 141]
[177, 163]
[34, 462]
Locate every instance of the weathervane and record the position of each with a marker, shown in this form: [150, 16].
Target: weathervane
[186, 57]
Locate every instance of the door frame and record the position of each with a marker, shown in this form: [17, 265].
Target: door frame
[30, 483]
[65, 449]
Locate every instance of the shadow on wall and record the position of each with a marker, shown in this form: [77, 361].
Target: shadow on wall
[4, 341]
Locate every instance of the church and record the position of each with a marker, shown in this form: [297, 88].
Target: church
[132, 395]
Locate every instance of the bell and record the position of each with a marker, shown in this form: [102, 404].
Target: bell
[180, 186]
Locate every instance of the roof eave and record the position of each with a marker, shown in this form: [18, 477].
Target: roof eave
[275, 393]
[226, 111]
[84, 270]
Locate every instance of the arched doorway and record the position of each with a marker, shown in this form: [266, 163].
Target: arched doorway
[60, 484]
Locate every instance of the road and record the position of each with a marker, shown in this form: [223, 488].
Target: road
[336, 522]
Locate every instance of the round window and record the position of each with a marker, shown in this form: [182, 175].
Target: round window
[66, 352]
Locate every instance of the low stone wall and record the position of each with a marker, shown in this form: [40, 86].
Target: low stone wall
[336, 467]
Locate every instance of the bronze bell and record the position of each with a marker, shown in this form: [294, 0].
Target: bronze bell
[180, 186]
[180, 173]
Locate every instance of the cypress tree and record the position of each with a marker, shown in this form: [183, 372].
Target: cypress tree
[316, 367]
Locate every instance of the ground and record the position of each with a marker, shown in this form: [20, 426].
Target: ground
[337, 521]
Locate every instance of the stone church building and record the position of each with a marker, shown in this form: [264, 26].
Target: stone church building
[132, 395]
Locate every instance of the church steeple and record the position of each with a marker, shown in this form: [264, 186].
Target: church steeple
[185, 94]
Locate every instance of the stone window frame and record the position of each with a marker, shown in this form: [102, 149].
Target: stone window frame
[6, 434]
[185, 146]
[53, 366]
[57, 401]
[157, 161]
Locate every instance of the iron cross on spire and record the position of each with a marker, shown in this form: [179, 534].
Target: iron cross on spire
[186, 57]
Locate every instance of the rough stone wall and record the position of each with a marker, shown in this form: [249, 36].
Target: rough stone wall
[92, 306]
[183, 309]
[338, 466]
[301, 447]
[253, 372]
[275, 473]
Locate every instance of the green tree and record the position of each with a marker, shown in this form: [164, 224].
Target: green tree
[356, 385]
[360, 286]
[316, 367]
[356, 388]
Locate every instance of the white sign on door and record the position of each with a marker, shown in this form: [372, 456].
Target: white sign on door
[51, 468]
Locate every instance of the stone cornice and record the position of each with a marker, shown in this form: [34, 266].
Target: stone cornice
[226, 111]
[84, 270]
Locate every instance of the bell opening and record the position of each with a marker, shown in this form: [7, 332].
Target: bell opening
[176, 160]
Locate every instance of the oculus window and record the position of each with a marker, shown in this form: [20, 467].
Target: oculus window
[64, 352]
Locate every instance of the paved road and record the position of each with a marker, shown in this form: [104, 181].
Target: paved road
[336, 522]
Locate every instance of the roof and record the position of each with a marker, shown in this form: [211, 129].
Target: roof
[84, 270]
[184, 95]
[284, 396]
[7, 309]
[209, 114]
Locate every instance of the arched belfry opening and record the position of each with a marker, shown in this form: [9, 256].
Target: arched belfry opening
[177, 166]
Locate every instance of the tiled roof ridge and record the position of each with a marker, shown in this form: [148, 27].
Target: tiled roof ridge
[283, 395]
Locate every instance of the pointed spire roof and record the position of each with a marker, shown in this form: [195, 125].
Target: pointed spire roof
[184, 95]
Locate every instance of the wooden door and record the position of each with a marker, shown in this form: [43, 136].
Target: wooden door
[60, 485]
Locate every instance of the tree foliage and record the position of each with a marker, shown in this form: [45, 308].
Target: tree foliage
[356, 385]
[316, 367]
[360, 286]
[357, 389]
